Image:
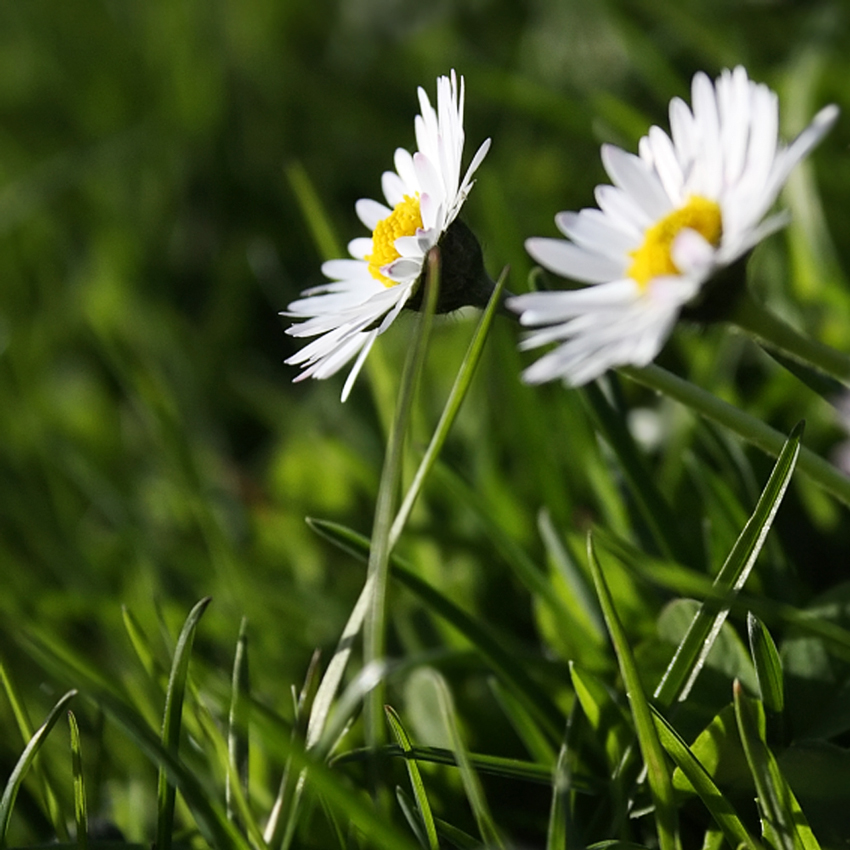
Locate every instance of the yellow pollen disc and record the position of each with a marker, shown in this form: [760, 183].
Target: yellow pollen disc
[653, 258]
[404, 220]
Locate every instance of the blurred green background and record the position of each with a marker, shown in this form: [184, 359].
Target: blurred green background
[155, 158]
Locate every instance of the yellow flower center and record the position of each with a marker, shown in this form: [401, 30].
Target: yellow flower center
[653, 258]
[404, 220]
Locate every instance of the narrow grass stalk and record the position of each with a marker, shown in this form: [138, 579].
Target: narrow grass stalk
[767, 663]
[559, 810]
[171, 722]
[658, 774]
[239, 719]
[753, 430]
[691, 653]
[450, 411]
[755, 319]
[13, 785]
[81, 818]
[379, 553]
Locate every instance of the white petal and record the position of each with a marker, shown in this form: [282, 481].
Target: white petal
[371, 336]
[692, 253]
[571, 261]
[345, 269]
[634, 177]
[596, 231]
[403, 162]
[361, 247]
[371, 212]
[393, 188]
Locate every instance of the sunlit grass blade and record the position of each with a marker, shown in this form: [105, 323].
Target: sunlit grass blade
[140, 643]
[171, 722]
[694, 648]
[457, 837]
[658, 774]
[13, 784]
[81, 818]
[25, 728]
[654, 510]
[534, 698]
[416, 783]
[450, 411]
[507, 768]
[374, 637]
[768, 665]
[313, 211]
[783, 824]
[753, 430]
[411, 815]
[471, 783]
[239, 719]
[559, 811]
[720, 808]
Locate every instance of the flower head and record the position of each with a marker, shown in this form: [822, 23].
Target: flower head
[424, 195]
[689, 205]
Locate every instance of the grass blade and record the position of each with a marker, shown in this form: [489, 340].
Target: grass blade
[692, 651]
[13, 785]
[471, 784]
[450, 411]
[559, 812]
[783, 824]
[80, 811]
[658, 775]
[141, 644]
[768, 665]
[720, 808]
[239, 719]
[416, 783]
[412, 817]
[172, 720]
[533, 697]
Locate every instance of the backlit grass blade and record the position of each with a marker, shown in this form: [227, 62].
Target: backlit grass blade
[171, 722]
[81, 818]
[13, 784]
[239, 719]
[374, 636]
[559, 810]
[658, 774]
[411, 815]
[534, 698]
[317, 219]
[457, 837]
[654, 510]
[471, 784]
[720, 808]
[416, 783]
[141, 644]
[783, 824]
[692, 651]
[768, 665]
[450, 411]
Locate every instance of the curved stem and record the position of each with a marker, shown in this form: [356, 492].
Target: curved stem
[754, 318]
[751, 429]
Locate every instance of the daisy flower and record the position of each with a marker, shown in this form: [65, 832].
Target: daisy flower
[365, 294]
[687, 206]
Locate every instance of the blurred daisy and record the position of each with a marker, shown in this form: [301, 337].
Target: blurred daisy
[686, 207]
[424, 195]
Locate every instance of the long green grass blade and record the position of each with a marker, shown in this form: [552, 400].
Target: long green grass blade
[416, 783]
[768, 665]
[533, 697]
[457, 837]
[658, 774]
[374, 637]
[171, 722]
[412, 817]
[239, 719]
[559, 810]
[534, 739]
[13, 784]
[141, 644]
[81, 818]
[692, 651]
[450, 411]
[471, 783]
[313, 211]
[753, 430]
[783, 824]
[720, 808]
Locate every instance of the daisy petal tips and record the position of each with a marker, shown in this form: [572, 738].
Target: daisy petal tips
[687, 206]
[364, 295]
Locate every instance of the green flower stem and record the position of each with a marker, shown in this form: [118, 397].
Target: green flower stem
[751, 429]
[375, 637]
[755, 319]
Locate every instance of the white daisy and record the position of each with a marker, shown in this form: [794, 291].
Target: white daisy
[689, 205]
[424, 195]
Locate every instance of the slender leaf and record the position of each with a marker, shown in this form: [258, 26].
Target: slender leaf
[13, 785]
[768, 665]
[457, 837]
[239, 719]
[81, 818]
[140, 643]
[658, 775]
[416, 783]
[532, 736]
[533, 697]
[412, 817]
[559, 811]
[720, 808]
[172, 720]
[691, 653]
